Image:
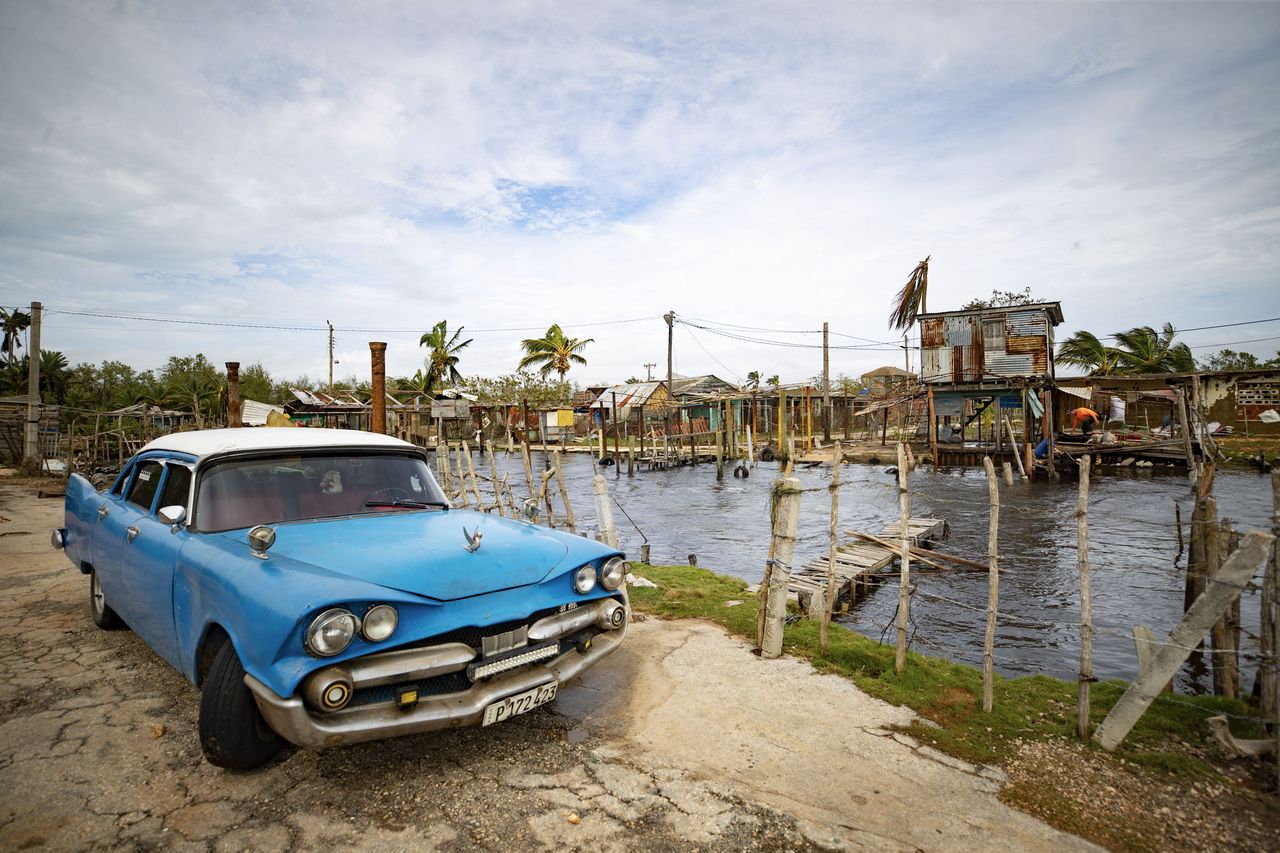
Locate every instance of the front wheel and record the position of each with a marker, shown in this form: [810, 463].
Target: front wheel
[103, 616]
[232, 731]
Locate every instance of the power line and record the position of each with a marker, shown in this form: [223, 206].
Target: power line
[319, 328]
[709, 355]
[790, 344]
[1234, 343]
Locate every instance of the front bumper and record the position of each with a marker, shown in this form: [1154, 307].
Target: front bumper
[292, 720]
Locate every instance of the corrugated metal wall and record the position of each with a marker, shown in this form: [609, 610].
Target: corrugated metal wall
[969, 347]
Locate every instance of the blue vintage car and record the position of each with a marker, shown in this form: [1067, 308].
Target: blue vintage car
[319, 588]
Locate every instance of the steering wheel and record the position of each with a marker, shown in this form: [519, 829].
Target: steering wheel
[388, 495]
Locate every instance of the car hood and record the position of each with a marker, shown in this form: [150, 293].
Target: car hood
[423, 553]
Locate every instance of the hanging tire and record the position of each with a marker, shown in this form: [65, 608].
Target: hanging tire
[103, 616]
[233, 733]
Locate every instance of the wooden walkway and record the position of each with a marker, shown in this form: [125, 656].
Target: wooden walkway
[858, 559]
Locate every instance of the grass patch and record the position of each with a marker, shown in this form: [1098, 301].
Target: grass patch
[943, 692]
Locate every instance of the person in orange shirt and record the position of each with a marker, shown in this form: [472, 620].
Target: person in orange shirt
[1084, 418]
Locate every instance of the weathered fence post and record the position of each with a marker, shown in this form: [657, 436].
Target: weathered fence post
[904, 559]
[528, 468]
[1013, 445]
[544, 495]
[829, 599]
[719, 454]
[1222, 590]
[471, 469]
[993, 586]
[564, 495]
[442, 467]
[1086, 605]
[785, 523]
[493, 472]
[604, 512]
[462, 479]
[1008, 473]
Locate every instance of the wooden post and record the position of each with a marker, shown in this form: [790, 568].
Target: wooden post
[1231, 579]
[1013, 445]
[829, 600]
[1180, 407]
[604, 512]
[617, 456]
[751, 447]
[933, 430]
[564, 495]
[471, 469]
[644, 553]
[1223, 657]
[462, 478]
[1008, 473]
[631, 456]
[528, 467]
[720, 454]
[378, 358]
[233, 395]
[904, 559]
[1275, 615]
[1086, 604]
[442, 467]
[544, 496]
[493, 473]
[786, 521]
[993, 586]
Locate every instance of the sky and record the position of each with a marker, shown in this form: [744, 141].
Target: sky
[227, 178]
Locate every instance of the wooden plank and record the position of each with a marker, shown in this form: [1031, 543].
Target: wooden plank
[1222, 589]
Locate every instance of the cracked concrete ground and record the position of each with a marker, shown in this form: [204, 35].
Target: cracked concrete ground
[680, 740]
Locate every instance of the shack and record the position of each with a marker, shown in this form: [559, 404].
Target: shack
[985, 361]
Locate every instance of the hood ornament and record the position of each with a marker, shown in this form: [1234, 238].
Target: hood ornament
[473, 540]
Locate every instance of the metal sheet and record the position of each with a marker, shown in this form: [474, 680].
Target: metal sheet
[1027, 323]
[1025, 344]
[957, 331]
[931, 333]
[936, 364]
[1003, 364]
[957, 364]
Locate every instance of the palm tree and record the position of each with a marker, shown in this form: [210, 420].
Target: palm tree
[911, 300]
[442, 362]
[753, 379]
[1143, 350]
[53, 374]
[553, 352]
[1083, 349]
[14, 323]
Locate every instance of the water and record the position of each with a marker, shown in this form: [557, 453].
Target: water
[1132, 546]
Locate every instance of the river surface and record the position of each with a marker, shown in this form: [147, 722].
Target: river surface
[1133, 544]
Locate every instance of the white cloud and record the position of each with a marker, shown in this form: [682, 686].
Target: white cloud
[385, 166]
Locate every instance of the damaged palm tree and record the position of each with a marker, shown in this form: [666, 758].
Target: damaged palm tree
[911, 300]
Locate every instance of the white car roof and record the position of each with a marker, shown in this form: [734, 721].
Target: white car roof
[207, 442]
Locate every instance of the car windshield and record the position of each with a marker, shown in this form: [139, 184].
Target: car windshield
[245, 492]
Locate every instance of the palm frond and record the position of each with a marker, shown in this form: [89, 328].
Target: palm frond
[911, 300]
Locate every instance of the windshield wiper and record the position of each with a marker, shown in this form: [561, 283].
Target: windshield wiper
[408, 503]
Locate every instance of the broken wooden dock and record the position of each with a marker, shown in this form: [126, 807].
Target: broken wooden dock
[857, 560]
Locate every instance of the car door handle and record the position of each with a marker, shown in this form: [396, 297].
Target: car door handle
[131, 533]
[102, 512]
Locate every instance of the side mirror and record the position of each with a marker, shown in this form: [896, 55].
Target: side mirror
[174, 516]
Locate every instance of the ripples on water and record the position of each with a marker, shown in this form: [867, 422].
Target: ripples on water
[1132, 545]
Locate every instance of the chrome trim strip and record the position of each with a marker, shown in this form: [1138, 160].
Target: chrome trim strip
[557, 625]
[408, 664]
[292, 721]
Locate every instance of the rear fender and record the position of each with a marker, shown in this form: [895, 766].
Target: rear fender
[79, 518]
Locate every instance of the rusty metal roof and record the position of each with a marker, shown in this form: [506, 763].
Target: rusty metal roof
[634, 394]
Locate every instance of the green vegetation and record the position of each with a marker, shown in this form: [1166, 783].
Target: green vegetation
[1140, 350]
[946, 693]
[1229, 359]
[553, 352]
[442, 359]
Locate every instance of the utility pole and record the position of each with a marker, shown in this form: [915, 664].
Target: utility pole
[31, 438]
[648, 370]
[826, 385]
[330, 325]
[670, 317]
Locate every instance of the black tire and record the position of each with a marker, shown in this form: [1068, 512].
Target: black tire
[103, 616]
[232, 732]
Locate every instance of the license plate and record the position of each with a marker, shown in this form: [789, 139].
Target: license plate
[513, 706]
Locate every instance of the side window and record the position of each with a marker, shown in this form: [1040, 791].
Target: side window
[145, 483]
[177, 487]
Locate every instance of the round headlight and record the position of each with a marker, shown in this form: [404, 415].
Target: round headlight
[613, 572]
[331, 632]
[585, 579]
[379, 623]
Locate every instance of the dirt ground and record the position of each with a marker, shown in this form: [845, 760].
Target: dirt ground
[682, 740]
